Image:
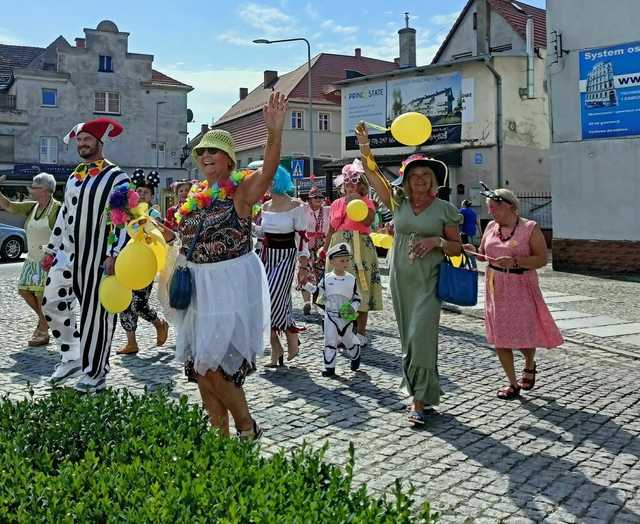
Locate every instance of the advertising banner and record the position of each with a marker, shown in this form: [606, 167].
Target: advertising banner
[440, 97]
[610, 91]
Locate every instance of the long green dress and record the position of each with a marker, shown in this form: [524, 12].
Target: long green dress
[413, 287]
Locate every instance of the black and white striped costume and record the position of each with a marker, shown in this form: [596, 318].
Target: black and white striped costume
[79, 244]
[338, 332]
[284, 240]
[385, 214]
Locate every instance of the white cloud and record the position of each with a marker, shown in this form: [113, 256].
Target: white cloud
[268, 19]
[446, 20]
[310, 11]
[216, 90]
[235, 38]
[331, 25]
[8, 38]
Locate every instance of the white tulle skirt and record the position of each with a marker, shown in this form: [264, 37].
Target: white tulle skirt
[229, 318]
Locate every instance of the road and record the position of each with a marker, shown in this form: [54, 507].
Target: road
[567, 452]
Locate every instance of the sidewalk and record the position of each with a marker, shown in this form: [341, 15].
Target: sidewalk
[596, 311]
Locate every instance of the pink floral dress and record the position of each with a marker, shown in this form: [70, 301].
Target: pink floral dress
[516, 315]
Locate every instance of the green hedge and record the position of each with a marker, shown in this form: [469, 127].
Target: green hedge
[118, 457]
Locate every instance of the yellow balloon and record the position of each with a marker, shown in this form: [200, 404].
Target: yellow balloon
[136, 265]
[382, 240]
[411, 129]
[456, 261]
[160, 252]
[357, 210]
[114, 297]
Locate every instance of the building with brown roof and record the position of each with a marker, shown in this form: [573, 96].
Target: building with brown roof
[44, 92]
[485, 95]
[244, 118]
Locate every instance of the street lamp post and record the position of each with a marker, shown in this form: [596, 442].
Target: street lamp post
[158, 104]
[310, 95]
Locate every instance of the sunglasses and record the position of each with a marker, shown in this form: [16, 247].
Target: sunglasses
[492, 195]
[210, 150]
[351, 179]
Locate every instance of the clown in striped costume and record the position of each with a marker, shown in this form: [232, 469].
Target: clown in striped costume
[79, 254]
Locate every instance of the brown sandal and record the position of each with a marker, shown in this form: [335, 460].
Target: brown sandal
[39, 339]
[527, 383]
[128, 349]
[509, 392]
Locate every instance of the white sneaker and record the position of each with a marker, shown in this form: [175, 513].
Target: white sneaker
[91, 385]
[64, 371]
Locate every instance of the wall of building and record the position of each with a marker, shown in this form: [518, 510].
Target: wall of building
[595, 182]
[76, 83]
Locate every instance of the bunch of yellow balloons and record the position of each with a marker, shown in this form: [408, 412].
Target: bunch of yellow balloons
[136, 265]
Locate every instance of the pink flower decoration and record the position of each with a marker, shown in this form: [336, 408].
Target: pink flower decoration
[133, 199]
[119, 217]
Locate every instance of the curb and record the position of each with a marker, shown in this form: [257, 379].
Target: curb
[478, 314]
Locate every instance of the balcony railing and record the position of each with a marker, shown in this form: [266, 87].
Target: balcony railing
[7, 102]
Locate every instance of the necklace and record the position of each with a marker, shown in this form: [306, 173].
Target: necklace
[201, 196]
[417, 208]
[89, 168]
[43, 210]
[513, 232]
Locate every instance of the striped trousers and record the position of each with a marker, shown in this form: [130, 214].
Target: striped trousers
[280, 266]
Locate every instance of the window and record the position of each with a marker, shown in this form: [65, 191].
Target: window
[106, 102]
[48, 150]
[50, 97]
[104, 64]
[7, 148]
[324, 120]
[297, 120]
[159, 157]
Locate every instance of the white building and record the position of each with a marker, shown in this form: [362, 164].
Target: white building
[44, 92]
[593, 75]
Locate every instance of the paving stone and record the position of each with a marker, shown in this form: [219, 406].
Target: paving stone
[589, 322]
[632, 328]
[545, 458]
[564, 315]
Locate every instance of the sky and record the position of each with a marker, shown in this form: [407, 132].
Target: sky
[208, 44]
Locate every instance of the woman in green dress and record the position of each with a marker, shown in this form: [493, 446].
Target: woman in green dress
[425, 228]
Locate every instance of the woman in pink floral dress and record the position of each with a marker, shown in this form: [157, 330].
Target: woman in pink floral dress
[516, 316]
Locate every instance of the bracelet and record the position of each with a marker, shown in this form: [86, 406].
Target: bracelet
[362, 145]
[441, 244]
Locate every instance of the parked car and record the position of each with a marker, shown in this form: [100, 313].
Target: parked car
[13, 242]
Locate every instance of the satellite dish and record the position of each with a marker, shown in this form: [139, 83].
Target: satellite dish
[189, 116]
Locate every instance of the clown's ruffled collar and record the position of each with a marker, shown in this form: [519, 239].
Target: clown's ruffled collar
[90, 169]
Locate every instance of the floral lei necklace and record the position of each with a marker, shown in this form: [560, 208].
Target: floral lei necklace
[201, 196]
[91, 168]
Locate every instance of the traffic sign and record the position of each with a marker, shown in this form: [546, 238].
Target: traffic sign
[297, 168]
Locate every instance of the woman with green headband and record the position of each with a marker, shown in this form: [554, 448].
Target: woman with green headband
[227, 321]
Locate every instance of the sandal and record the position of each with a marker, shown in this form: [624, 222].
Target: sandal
[509, 392]
[417, 417]
[276, 362]
[527, 383]
[39, 339]
[128, 349]
[255, 433]
[426, 409]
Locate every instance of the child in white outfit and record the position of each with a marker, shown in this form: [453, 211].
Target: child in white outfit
[341, 301]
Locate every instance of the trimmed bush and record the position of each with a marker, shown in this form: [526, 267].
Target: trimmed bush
[118, 457]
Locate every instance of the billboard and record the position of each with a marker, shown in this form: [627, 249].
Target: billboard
[610, 91]
[446, 99]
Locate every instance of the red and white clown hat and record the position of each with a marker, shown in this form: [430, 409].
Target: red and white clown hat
[97, 128]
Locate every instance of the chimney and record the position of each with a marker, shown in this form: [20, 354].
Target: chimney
[80, 43]
[270, 78]
[407, 44]
[358, 53]
[481, 25]
[243, 93]
[204, 128]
